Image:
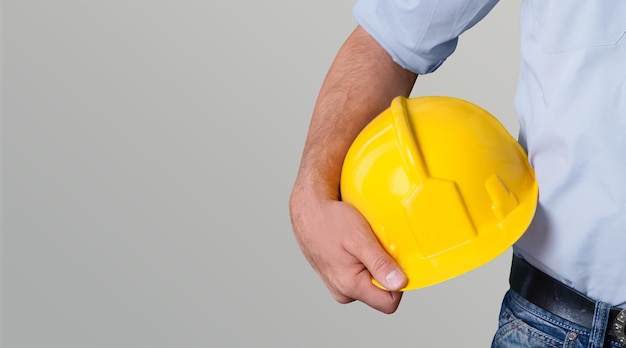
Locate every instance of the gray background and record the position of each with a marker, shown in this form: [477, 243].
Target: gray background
[148, 151]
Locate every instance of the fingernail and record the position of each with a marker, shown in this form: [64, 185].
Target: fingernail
[394, 280]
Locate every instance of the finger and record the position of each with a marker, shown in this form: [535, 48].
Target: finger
[339, 297]
[380, 265]
[381, 300]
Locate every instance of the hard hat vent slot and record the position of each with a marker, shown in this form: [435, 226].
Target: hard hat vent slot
[503, 200]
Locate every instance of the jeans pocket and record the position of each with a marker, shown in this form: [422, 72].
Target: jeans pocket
[567, 25]
[515, 333]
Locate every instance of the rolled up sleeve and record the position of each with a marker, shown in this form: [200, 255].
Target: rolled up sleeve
[419, 35]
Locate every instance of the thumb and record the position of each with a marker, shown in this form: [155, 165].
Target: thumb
[381, 266]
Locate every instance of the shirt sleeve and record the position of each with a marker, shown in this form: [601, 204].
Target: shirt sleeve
[419, 34]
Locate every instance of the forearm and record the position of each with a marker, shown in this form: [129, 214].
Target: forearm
[360, 83]
[334, 237]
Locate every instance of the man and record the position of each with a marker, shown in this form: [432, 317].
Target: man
[568, 280]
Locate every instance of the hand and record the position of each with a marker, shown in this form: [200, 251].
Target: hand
[339, 244]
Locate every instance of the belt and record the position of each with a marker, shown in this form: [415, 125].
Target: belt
[561, 300]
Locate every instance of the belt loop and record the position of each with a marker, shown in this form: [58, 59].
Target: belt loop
[599, 325]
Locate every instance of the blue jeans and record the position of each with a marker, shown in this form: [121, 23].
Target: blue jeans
[523, 324]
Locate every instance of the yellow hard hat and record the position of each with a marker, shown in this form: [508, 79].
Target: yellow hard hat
[443, 185]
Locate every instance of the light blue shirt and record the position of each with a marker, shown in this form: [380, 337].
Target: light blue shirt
[571, 104]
